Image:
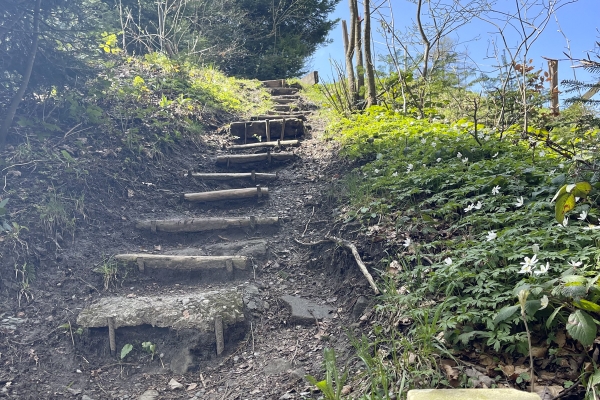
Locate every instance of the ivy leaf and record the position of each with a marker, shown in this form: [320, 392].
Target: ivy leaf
[581, 327]
[506, 313]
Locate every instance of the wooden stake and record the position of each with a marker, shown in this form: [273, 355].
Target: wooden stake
[230, 175]
[219, 334]
[229, 194]
[111, 335]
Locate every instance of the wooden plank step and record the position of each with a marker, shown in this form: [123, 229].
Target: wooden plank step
[292, 97]
[284, 107]
[269, 129]
[273, 144]
[183, 263]
[275, 83]
[227, 176]
[283, 101]
[228, 194]
[282, 91]
[205, 224]
[277, 116]
[252, 158]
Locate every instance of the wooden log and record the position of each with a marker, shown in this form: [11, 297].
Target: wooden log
[275, 83]
[252, 158]
[219, 339]
[229, 194]
[282, 91]
[284, 107]
[226, 176]
[274, 143]
[184, 263]
[279, 100]
[205, 224]
[294, 127]
[278, 116]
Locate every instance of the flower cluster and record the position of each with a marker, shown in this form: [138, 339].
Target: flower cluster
[528, 266]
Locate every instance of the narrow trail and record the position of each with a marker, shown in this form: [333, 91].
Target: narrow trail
[235, 307]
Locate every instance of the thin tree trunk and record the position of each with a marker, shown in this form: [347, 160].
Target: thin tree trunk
[426, 51]
[370, 71]
[360, 66]
[348, 53]
[18, 96]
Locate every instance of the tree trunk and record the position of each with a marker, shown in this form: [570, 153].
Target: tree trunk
[360, 66]
[348, 52]
[18, 96]
[370, 71]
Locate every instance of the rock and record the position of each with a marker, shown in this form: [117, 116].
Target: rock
[149, 394]
[86, 397]
[181, 362]
[277, 366]
[359, 307]
[174, 385]
[305, 311]
[251, 298]
[167, 311]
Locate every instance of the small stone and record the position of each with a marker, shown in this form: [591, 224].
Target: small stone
[174, 385]
[149, 394]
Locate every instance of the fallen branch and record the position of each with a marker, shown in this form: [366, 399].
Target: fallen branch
[350, 246]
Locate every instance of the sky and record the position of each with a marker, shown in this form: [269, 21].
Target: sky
[577, 25]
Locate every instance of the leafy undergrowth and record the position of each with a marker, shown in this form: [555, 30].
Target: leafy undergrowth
[469, 225]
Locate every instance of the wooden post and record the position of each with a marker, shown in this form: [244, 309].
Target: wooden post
[553, 72]
[268, 130]
[282, 128]
[219, 334]
[111, 335]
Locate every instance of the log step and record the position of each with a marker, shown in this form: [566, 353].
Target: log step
[183, 263]
[275, 83]
[229, 194]
[284, 107]
[273, 144]
[269, 129]
[252, 158]
[278, 100]
[277, 116]
[287, 96]
[205, 224]
[282, 91]
[227, 176]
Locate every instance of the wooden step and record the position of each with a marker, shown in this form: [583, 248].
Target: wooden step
[205, 224]
[278, 116]
[275, 83]
[268, 129]
[278, 100]
[228, 194]
[287, 96]
[269, 157]
[272, 144]
[227, 176]
[183, 263]
[282, 91]
[284, 107]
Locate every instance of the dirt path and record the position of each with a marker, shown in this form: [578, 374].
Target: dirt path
[265, 357]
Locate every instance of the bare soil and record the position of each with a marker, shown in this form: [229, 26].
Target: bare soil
[44, 354]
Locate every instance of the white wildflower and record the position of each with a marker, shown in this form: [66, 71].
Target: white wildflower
[469, 207]
[423, 140]
[376, 171]
[491, 235]
[544, 302]
[519, 202]
[465, 160]
[583, 215]
[495, 155]
[395, 174]
[575, 264]
[438, 160]
[528, 265]
[565, 221]
[379, 156]
[409, 168]
[561, 165]
[448, 261]
[433, 144]
[543, 269]
[478, 205]
[496, 190]
[542, 153]
[407, 242]
[459, 155]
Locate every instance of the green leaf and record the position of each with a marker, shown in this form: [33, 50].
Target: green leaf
[506, 313]
[581, 327]
[552, 316]
[3, 203]
[587, 305]
[564, 204]
[126, 350]
[581, 189]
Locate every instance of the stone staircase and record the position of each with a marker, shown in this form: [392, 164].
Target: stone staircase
[216, 310]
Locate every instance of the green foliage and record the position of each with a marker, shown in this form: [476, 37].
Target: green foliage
[125, 351]
[110, 271]
[150, 348]
[332, 385]
[470, 215]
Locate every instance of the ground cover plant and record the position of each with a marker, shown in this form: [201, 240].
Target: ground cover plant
[470, 225]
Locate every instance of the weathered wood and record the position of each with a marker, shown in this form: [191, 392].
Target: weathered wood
[226, 176]
[206, 224]
[282, 91]
[274, 143]
[275, 83]
[229, 194]
[294, 127]
[279, 100]
[219, 339]
[184, 263]
[110, 321]
[252, 158]
[278, 116]
[284, 107]
[312, 78]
